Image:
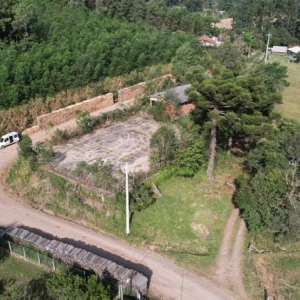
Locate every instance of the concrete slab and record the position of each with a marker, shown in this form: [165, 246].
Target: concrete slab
[117, 144]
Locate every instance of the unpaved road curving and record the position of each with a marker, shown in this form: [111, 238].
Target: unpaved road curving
[166, 279]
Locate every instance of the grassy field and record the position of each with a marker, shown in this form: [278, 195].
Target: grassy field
[285, 271]
[187, 223]
[15, 269]
[291, 95]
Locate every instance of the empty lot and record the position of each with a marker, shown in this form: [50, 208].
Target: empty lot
[117, 144]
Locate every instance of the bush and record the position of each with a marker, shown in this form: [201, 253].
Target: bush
[59, 136]
[141, 197]
[164, 145]
[157, 110]
[84, 121]
[190, 158]
[25, 147]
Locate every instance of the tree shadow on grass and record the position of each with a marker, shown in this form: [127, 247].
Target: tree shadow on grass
[4, 254]
[4, 249]
[37, 287]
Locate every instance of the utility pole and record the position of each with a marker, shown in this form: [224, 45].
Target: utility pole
[127, 201]
[266, 56]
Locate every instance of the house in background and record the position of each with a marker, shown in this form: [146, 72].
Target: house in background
[177, 92]
[207, 41]
[279, 50]
[292, 52]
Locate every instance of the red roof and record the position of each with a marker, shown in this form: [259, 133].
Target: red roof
[206, 39]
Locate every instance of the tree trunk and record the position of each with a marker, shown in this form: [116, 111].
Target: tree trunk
[229, 145]
[212, 148]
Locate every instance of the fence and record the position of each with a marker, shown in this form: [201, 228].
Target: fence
[73, 256]
[34, 256]
[54, 265]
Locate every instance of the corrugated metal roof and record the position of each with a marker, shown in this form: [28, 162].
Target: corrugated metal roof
[279, 49]
[178, 90]
[87, 260]
[295, 49]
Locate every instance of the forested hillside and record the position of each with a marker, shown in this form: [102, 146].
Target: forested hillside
[48, 46]
[280, 18]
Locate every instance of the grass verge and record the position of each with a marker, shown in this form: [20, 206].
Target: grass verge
[15, 269]
[291, 104]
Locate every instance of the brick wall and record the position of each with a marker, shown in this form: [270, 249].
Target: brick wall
[131, 92]
[136, 90]
[68, 113]
[31, 130]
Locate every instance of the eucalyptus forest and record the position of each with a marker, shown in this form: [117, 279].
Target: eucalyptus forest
[49, 47]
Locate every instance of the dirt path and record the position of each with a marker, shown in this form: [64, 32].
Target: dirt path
[166, 279]
[230, 259]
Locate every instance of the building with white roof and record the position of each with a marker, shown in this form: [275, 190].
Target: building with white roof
[279, 50]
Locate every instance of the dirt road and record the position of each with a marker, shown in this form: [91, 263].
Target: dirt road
[230, 265]
[166, 279]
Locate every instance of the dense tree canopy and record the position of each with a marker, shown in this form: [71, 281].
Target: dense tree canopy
[48, 47]
[280, 18]
[269, 195]
[236, 109]
[58, 286]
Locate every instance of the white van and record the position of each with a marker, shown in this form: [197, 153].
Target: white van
[8, 139]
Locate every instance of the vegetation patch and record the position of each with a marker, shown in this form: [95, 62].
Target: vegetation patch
[279, 273]
[187, 223]
[291, 106]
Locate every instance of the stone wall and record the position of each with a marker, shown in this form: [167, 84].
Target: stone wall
[68, 113]
[131, 92]
[31, 130]
[136, 90]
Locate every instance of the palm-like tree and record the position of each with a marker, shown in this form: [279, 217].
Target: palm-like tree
[249, 39]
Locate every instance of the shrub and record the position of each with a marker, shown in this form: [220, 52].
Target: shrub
[25, 147]
[164, 145]
[157, 110]
[84, 121]
[141, 197]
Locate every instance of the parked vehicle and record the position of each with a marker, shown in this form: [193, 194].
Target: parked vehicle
[10, 138]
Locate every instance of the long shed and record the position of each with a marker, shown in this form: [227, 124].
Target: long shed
[89, 261]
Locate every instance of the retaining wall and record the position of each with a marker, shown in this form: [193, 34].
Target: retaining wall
[68, 113]
[31, 130]
[137, 90]
[131, 92]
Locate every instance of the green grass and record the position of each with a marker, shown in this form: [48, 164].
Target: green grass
[285, 270]
[187, 223]
[17, 269]
[291, 95]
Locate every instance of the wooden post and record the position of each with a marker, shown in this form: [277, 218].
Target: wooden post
[53, 263]
[24, 252]
[39, 259]
[127, 201]
[9, 246]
